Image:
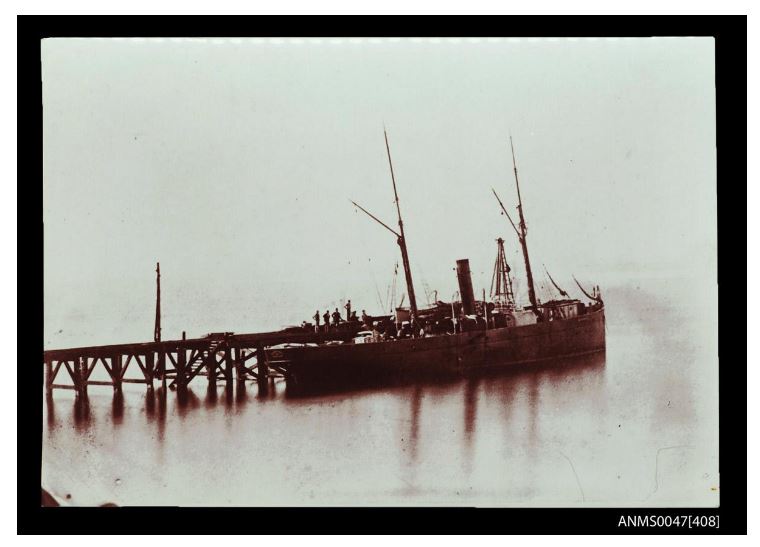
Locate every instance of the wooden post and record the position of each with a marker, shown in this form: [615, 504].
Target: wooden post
[241, 373]
[211, 367]
[48, 377]
[162, 368]
[181, 362]
[261, 364]
[149, 369]
[81, 376]
[116, 371]
[228, 365]
[239, 367]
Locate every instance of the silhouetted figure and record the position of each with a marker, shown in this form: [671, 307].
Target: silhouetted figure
[365, 319]
[348, 310]
[336, 317]
[353, 317]
[326, 317]
[316, 321]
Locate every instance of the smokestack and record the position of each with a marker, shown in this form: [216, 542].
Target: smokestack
[465, 286]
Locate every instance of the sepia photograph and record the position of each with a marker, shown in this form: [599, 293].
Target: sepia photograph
[380, 272]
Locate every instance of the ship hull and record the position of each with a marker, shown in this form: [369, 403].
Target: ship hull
[440, 356]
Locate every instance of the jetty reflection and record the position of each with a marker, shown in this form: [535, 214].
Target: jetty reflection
[504, 385]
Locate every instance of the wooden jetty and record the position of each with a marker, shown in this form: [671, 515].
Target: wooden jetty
[224, 357]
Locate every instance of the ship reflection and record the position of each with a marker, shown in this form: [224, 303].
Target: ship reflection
[470, 417]
[531, 385]
[415, 423]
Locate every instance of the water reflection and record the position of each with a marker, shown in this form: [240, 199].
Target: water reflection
[241, 395]
[470, 416]
[150, 403]
[211, 396]
[82, 418]
[186, 401]
[578, 377]
[117, 408]
[160, 417]
[265, 388]
[534, 402]
[50, 406]
[415, 423]
[229, 396]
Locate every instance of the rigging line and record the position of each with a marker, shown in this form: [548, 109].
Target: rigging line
[519, 235]
[369, 261]
[377, 288]
[425, 286]
[584, 291]
[552, 293]
[373, 217]
[494, 282]
[393, 290]
[561, 291]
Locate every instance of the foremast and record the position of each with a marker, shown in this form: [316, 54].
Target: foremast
[402, 240]
[400, 237]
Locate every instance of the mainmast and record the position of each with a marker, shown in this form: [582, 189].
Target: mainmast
[157, 328]
[523, 232]
[402, 239]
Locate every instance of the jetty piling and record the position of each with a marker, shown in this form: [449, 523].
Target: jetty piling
[149, 369]
[262, 368]
[228, 364]
[116, 371]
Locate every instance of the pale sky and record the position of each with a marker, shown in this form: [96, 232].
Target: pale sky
[232, 162]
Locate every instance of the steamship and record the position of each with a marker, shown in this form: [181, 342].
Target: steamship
[454, 338]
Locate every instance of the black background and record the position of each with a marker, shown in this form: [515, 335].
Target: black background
[730, 34]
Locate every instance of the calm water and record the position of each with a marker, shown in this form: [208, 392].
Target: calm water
[637, 426]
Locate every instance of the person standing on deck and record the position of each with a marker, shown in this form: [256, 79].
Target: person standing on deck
[348, 310]
[336, 317]
[365, 319]
[326, 317]
[316, 321]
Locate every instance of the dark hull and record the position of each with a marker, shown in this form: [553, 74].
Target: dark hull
[439, 356]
